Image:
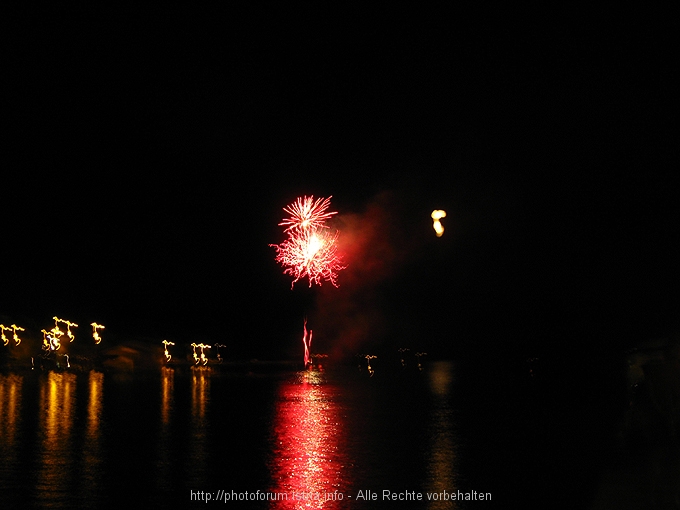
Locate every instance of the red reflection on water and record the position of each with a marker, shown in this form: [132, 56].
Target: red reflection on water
[308, 463]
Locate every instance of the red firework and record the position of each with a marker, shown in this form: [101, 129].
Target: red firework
[311, 254]
[310, 251]
[306, 213]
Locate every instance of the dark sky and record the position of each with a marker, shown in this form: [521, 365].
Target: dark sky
[149, 153]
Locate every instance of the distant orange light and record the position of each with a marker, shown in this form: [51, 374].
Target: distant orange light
[51, 338]
[95, 335]
[168, 356]
[437, 215]
[202, 359]
[16, 337]
[57, 320]
[4, 328]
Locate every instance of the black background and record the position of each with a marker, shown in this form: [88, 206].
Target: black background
[148, 155]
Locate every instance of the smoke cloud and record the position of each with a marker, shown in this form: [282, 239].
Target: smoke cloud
[375, 245]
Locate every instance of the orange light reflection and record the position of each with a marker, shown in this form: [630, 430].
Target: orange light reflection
[198, 442]
[10, 413]
[167, 393]
[92, 453]
[164, 462]
[442, 469]
[57, 397]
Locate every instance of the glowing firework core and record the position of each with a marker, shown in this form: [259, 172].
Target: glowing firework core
[436, 216]
[310, 251]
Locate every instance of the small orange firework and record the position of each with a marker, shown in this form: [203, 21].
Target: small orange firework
[437, 215]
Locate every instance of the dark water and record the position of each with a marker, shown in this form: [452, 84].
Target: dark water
[98, 440]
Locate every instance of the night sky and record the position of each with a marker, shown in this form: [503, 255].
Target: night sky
[148, 154]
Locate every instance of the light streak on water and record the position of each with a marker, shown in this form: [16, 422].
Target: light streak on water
[307, 457]
[57, 406]
[442, 465]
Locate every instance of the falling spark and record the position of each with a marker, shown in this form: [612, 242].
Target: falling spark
[4, 328]
[437, 215]
[306, 214]
[168, 356]
[307, 341]
[16, 337]
[57, 320]
[95, 335]
[309, 251]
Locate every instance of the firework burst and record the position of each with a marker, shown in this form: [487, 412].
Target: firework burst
[310, 251]
[307, 213]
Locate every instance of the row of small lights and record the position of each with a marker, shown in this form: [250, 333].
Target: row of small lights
[51, 338]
